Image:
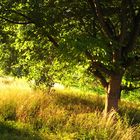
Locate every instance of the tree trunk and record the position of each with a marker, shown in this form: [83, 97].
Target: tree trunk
[113, 93]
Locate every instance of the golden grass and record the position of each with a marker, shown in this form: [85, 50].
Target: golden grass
[65, 115]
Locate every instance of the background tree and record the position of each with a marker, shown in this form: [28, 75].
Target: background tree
[105, 35]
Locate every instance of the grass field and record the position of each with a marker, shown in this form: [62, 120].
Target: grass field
[28, 114]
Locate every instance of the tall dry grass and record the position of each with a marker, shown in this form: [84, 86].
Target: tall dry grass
[66, 115]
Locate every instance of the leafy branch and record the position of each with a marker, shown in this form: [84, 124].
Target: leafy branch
[15, 22]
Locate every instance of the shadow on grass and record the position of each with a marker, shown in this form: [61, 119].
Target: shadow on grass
[78, 103]
[88, 104]
[132, 110]
[10, 132]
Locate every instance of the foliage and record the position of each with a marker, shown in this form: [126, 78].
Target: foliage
[33, 58]
[42, 39]
[72, 23]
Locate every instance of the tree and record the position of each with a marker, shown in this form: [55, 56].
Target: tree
[103, 34]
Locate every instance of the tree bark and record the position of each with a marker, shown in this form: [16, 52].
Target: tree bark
[113, 93]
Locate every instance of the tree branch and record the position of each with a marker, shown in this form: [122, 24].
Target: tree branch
[101, 78]
[108, 31]
[97, 65]
[30, 20]
[89, 55]
[102, 67]
[51, 39]
[15, 22]
[19, 13]
[123, 20]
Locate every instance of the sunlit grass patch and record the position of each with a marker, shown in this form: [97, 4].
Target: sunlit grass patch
[14, 85]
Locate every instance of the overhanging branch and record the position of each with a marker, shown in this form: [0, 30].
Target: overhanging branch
[16, 22]
[18, 13]
[51, 39]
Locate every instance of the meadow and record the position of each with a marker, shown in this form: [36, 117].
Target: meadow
[62, 114]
